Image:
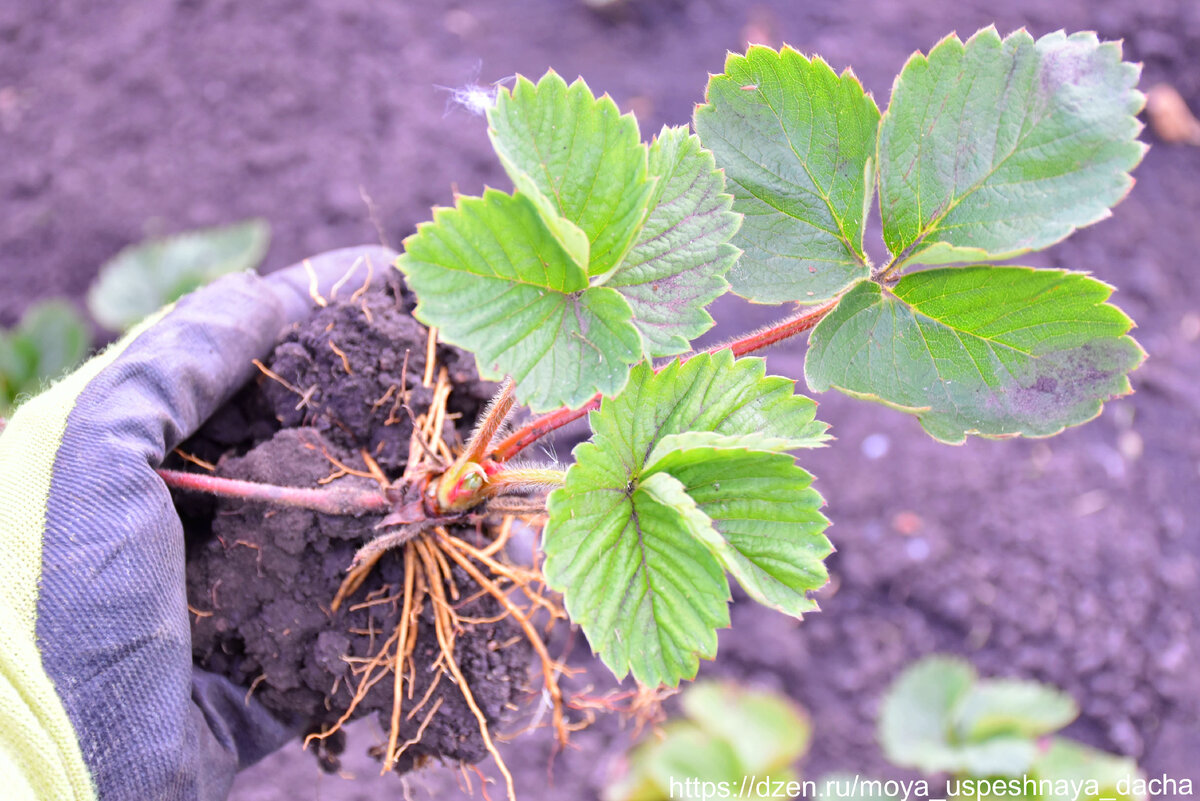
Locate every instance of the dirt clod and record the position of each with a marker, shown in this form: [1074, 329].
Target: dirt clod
[365, 406]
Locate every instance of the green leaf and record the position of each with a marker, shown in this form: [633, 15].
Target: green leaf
[1068, 764]
[678, 262]
[992, 148]
[649, 596]
[938, 717]
[735, 737]
[1013, 707]
[766, 730]
[707, 393]
[996, 351]
[578, 159]
[59, 336]
[18, 363]
[766, 525]
[51, 338]
[1007, 755]
[494, 280]
[687, 752]
[625, 542]
[12, 371]
[687, 763]
[709, 439]
[143, 278]
[795, 140]
[916, 717]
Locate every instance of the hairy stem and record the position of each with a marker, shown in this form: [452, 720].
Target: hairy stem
[535, 429]
[798, 323]
[524, 478]
[331, 501]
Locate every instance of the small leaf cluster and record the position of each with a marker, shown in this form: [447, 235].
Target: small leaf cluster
[686, 477]
[605, 255]
[940, 717]
[50, 339]
[728, 733]
[988, 150]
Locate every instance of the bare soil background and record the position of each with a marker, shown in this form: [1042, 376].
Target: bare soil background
[1074, 560]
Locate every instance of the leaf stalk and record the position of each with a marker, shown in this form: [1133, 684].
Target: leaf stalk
[535, 429]
[330, 500]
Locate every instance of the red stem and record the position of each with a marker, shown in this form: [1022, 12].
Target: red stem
[331, 501]
[785, 328]
[534, 430]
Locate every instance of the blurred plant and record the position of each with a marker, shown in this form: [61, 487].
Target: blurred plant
[940, 717]
[51, 338]
[842, 786]
[729, 735]
[143, 278]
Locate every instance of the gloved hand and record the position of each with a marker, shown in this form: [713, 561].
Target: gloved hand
[98, 695]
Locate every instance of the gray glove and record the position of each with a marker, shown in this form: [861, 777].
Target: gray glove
[92, 556]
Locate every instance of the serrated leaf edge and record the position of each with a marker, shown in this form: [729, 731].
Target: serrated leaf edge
[912, 254]
[918, 411]
[856, 251]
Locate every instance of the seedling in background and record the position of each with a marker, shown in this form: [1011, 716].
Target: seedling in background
[51, 338]
[608, 252]
[939, 717]
[727, 735]
[993, 737]
[143, 278]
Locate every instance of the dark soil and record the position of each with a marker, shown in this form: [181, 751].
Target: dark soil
[363, 408]
[1075, 560]
[260, 579]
